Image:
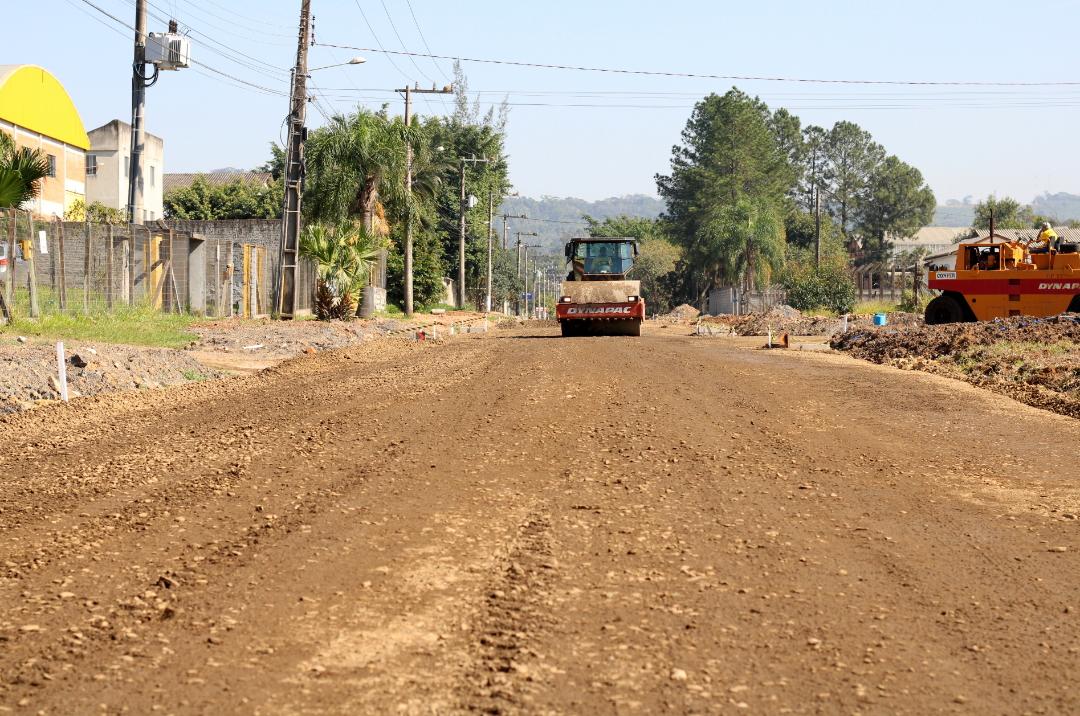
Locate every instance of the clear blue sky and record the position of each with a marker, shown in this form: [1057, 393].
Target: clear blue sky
[969, 141]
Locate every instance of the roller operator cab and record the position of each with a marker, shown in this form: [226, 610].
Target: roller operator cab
[996, 279]
[598, 298]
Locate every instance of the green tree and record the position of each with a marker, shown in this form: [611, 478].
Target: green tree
[729, 166]
[852, 156]
[352, 162]
[750, 239]
[897, 202]
[95, 213]
[203, 201]
[656, 260]
[1008, 214]
[21, 172]
[813, 166]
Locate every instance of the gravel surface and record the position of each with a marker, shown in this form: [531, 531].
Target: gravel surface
[29, 373]
[520, 523]
[1034, 360]
[285, 339]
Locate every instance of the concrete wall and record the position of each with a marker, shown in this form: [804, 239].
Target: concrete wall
[220, 235]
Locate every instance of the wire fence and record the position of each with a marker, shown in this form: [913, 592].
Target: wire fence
[50, 266]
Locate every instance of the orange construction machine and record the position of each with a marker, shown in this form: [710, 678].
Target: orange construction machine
[997, 278]
[597, 298]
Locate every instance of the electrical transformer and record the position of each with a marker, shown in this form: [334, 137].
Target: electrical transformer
[168, 50]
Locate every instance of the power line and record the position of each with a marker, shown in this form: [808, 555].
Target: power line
[261, 66]
[694, 75]
[424, 40]
[398, 35]
[194, 62]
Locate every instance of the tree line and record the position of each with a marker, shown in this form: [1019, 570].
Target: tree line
[356, 204]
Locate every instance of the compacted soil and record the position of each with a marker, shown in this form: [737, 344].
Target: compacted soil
[519, 523]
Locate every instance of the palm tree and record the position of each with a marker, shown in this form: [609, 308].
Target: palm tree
[352, 162]
[343, 255]
[740, 244]
[21, 172]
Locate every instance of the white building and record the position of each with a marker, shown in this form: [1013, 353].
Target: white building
[108, 164]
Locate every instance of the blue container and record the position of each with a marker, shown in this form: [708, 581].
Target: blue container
[880, 319]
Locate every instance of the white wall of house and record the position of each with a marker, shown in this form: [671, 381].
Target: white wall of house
[110, 145]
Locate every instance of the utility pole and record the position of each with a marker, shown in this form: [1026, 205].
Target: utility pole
[506, 235]
[409, 91]
[139, 83]
[490, 246]
[519, 245]
[817, 227]
[527, 247]
[461, 229]
[517, 263]
[288, 256]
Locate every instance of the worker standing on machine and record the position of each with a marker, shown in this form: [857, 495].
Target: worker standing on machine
[1047, 240]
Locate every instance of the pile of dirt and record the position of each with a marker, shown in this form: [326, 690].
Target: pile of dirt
[785, 319]
[29, 375]
[1034, 360]
[685, 312]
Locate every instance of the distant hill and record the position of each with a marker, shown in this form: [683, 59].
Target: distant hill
[954, 214]
[552, 209]
[1061, 206]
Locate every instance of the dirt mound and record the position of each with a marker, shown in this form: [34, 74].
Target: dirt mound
[785, 319]
[1034, 360]
[28, 372]
[685, 312]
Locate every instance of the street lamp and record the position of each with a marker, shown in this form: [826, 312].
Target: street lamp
[358, 60]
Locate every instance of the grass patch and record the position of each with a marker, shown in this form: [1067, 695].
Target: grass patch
[128, 325]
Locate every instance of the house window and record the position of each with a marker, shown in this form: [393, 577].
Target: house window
[151, 175]
[127, 166]
[52, 164]
[91, 165]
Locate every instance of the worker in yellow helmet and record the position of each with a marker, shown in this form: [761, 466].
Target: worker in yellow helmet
[1046, 241]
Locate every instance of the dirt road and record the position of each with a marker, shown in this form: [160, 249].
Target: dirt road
[525, 524]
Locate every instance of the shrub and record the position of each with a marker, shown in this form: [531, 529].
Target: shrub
[827, 287]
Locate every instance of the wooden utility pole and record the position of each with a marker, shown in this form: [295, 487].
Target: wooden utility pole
[285, 299]
[409, 92]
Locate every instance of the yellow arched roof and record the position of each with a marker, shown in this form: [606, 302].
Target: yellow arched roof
[35, 100]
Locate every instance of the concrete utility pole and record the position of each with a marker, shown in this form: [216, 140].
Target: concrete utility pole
[490, 241]
[139, 83]
[506, 235]
[461, 229]
[288, 256]
[409, 91]
[817, 227]
[527, 247]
